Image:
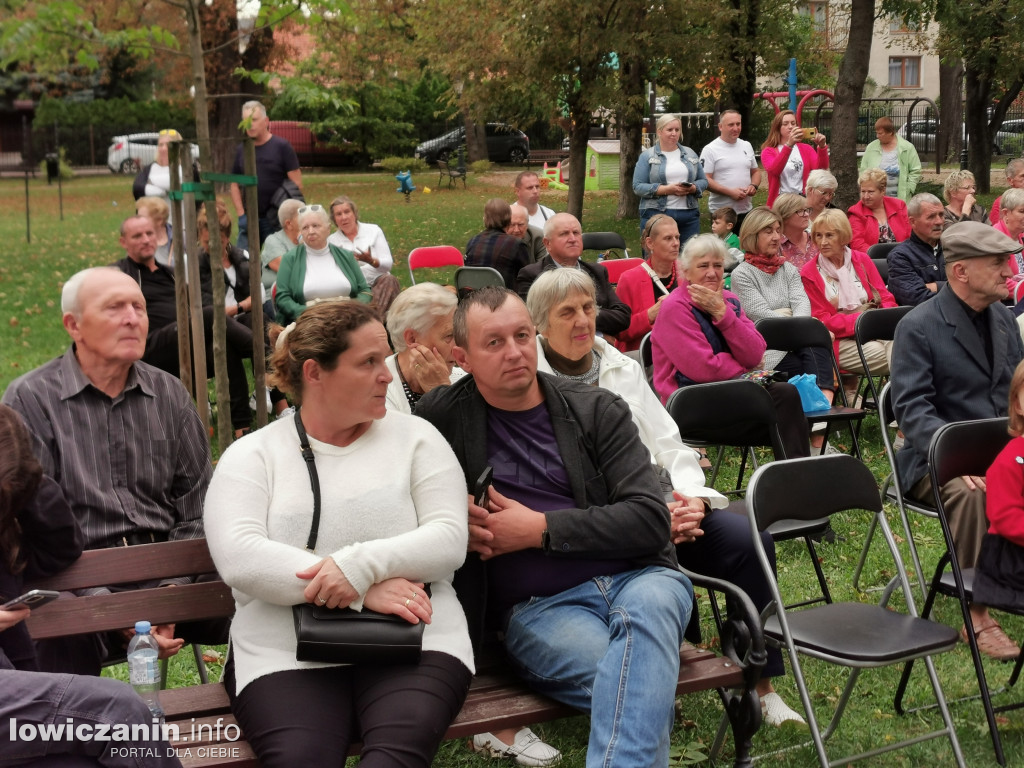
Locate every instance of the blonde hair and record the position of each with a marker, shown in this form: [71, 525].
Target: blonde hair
[875, 176]
[759, 218]
[833, 218]
[1016, 425]
[787, 204]
[155, 208]
[954, 180]
[668, 117]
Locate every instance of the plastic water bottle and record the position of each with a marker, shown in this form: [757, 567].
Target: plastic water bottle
[144, 668]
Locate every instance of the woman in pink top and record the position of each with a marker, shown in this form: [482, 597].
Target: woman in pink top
[645, 287]
[788, 170]
[796, 247]
[877, 218]
[1011, 224]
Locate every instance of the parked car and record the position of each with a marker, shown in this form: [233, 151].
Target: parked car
[318, 150]
[127, 154]
[922, 134]
[505, 144]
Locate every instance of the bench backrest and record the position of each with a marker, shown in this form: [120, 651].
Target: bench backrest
[128, 565]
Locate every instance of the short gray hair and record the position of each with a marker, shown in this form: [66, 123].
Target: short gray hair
[1013, 199]
[552, 288]
[549, 224]
[288, 210]
[700, 245]
[254, 106]
[417, 308]
[1014, 167]
[819, 178]
[69, 301]
[921, 198]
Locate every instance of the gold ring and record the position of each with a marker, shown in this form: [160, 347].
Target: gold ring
[409, 600]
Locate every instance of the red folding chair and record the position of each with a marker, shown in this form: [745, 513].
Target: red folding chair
[433, 256]
[616, 267]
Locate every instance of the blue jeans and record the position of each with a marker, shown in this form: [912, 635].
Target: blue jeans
[687, 219]
[609, 647]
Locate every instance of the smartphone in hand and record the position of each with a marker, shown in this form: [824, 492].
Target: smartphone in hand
[31, 599]
[481, 491]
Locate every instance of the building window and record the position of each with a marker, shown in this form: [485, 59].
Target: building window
[897, 27]
[904, 71]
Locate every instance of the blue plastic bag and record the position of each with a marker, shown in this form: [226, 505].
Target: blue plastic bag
[812, 398]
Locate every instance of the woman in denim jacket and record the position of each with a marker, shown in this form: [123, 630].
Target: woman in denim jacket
[669, 179]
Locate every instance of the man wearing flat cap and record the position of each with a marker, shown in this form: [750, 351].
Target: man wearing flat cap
[953, 358]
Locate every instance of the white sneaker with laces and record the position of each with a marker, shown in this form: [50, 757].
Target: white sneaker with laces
[526, 748]
[776, 712]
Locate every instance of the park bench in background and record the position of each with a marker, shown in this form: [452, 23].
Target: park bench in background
[539, 156]
[454, 173]
[496, 699]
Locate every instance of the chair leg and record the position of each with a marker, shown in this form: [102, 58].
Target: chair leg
[197, 652]
[864, 552]
[812, 550]
[718, 465]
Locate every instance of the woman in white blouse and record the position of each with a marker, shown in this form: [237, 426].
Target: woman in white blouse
[370, 248]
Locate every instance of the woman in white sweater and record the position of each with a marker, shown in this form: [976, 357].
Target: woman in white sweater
[393, 523]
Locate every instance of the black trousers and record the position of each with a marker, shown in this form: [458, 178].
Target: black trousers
[793, 427]
[162, 352]
[310, 717]
[813, 360]
[725, 551]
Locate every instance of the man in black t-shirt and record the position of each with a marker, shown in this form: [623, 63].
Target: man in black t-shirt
[276, 162]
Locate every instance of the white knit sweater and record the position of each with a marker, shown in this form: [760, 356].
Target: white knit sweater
[393, 504]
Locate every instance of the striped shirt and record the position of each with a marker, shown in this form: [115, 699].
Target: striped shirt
[135, 463]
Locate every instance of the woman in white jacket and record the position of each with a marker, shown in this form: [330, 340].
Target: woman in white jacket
[709, 540]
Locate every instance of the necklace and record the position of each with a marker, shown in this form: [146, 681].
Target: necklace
[412, 397]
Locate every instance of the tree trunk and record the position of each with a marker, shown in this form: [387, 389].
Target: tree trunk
[741, 76]
[949, 141]
[979, 136]
[476, 140]
[630, 119]
[853, 72]
[579, 134]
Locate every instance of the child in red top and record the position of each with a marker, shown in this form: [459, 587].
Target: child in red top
[999, 580]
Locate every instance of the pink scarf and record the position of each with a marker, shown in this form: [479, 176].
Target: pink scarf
[849, 296]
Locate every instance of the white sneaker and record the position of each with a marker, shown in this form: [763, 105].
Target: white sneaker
[776, 712]
[831, 450]
[527, 748]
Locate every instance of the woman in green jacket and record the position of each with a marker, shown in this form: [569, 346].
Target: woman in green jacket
[314, 270]
[897, 157]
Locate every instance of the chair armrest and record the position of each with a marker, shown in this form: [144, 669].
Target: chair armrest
[742, 639]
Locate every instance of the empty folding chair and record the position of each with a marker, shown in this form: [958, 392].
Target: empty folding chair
[849, 634]
[432, 257]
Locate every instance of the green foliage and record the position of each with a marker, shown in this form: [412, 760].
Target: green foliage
[481, 166]
[128, 115]
[399, 164]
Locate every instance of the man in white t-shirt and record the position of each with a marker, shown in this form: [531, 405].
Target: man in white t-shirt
[528, 196]
[731, 168]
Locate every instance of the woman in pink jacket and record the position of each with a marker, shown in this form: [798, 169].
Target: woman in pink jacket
[788, 170]
[877, 218]
[841, 283]
[702, 336]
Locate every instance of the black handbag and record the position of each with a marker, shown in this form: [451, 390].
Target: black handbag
[342, 635]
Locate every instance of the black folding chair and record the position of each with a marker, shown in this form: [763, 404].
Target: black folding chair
[849, 634]
[647, 359]
[875, 325]
[892, 490]
[879, 253]
[789, 334]
[468, 279]
[605, 241]
[741, 414]
[958, 449]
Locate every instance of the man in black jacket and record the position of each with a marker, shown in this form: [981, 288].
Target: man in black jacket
[563, 237]
[575, 562]
[916, 268]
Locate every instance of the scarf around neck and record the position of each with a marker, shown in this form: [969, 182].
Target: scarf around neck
[849, 297]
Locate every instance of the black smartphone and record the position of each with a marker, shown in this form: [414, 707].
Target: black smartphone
[31, 599]
[481, 490]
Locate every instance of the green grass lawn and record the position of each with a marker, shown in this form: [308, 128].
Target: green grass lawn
[31, 333]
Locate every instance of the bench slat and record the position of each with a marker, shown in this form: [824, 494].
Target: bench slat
[102, 613]
[127, 565]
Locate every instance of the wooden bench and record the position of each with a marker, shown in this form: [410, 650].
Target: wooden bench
[445, 168]
[538, 156]
[207, 734]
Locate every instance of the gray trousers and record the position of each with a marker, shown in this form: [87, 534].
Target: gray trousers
[29, 700]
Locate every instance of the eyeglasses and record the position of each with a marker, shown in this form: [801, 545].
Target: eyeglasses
[828, 194]
[968, 188]
[804, 212]
[313, 208]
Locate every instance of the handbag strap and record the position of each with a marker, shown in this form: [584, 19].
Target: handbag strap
[314, 479]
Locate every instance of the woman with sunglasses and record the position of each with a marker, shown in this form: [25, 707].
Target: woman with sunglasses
[315, 270]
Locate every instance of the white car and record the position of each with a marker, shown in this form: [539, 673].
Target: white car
[128, 154]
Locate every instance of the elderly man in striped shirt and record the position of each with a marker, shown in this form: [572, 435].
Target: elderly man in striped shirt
[121, 438]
